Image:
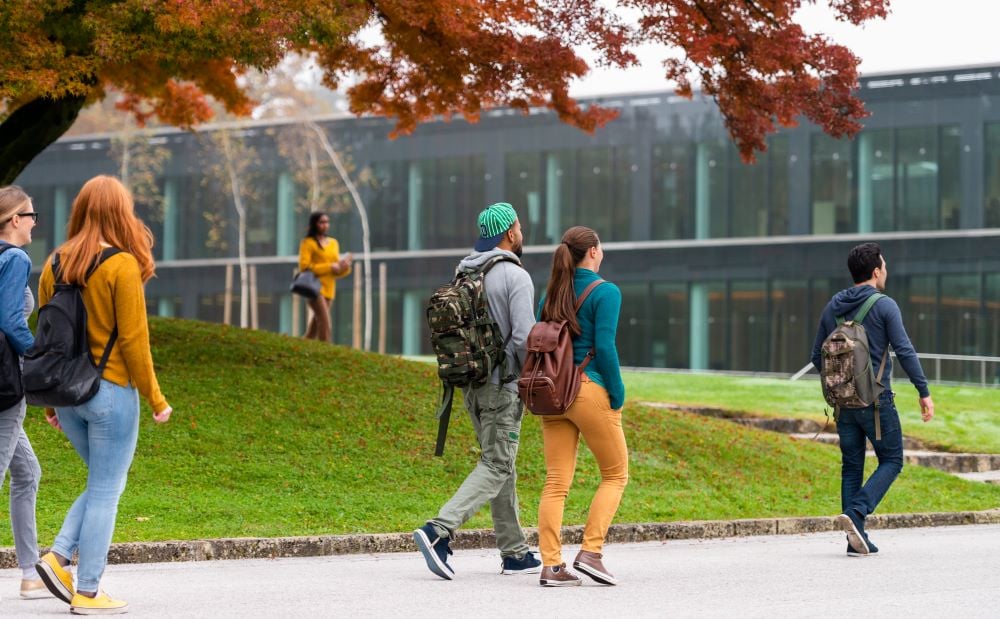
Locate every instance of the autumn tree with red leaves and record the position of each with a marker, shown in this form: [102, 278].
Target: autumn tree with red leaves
[435, 57]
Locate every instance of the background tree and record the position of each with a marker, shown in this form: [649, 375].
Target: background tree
[231, 162]
[434, 57]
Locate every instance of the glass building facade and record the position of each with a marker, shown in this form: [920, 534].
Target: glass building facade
[722, 265]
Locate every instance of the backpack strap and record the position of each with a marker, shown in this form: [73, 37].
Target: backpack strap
[579, 303]
[444, 416]
[863, 312]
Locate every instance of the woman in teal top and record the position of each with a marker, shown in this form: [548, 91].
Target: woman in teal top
[596, 414]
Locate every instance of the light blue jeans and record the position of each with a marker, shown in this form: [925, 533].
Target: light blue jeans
[103, 431]
[17, 456]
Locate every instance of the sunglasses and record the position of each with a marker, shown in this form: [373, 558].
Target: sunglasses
[33, 215]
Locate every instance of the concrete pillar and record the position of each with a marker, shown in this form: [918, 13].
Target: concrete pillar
[866, 207]
[414, 208]
[285, 314]
[699, 327]
[413, 316]
[170, 217]
[60, 217]
[285, 225]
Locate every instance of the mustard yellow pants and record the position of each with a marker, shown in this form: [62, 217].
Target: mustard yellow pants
[590, 415]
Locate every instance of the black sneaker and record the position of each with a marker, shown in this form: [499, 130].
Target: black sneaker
[872, 548]
[854, 526]
[527, 564]
[435, 550]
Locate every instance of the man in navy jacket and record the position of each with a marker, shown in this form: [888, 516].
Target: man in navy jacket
[884, 327]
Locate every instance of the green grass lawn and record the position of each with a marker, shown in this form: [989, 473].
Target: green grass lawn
[966, 418]
[275, 436]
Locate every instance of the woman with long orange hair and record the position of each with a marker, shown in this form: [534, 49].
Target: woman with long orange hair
[104, 429]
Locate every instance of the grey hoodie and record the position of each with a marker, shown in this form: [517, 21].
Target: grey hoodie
[510, 295]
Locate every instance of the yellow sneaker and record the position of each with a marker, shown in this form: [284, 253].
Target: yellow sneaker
[56, 578]
[32, 589]
[103, 604]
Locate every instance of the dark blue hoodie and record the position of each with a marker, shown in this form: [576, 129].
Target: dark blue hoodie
[884, 326]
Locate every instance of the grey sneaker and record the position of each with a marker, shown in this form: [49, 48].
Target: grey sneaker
[558, 576]
[590, 564]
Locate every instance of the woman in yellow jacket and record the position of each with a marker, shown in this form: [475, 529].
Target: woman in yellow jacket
[320, 254]
[104, 429]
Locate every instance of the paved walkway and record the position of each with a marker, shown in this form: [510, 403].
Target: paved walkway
[936, 572]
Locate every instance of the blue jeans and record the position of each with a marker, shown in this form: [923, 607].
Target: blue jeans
[854, 426]
[103, 431]
[17, 456]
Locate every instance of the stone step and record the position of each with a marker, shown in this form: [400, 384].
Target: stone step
[989, 477]
[979, 467]
[831, 438]
[954, 462]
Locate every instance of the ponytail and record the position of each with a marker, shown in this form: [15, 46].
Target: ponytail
[560, 294]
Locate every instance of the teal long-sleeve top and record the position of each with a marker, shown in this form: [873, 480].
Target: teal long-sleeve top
[598, 318]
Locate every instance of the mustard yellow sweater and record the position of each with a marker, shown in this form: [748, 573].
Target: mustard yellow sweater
[319, 260]
[114, 295]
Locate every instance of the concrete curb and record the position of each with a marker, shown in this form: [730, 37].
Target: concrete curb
[365, 543]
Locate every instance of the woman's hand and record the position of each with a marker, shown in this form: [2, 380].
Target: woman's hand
[52, 418]
[164, 415]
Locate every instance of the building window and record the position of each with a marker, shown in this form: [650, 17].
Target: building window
[991, 213]
[525, 179]
[833, 210]
[673, 192]
[791, 327]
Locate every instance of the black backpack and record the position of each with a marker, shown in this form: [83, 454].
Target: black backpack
[59, 369]
[11, 389]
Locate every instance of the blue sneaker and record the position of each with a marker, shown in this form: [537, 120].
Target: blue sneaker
[854, 526]
[435, 550]
[872, 548]
[527, 564]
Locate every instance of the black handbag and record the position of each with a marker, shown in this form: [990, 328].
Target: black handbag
[306, 283]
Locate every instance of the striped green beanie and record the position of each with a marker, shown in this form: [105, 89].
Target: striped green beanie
[494, 221]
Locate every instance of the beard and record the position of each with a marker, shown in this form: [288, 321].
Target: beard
[518, 249]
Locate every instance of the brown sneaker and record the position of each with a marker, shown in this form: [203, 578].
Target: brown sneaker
[558, 576]
[590, 564]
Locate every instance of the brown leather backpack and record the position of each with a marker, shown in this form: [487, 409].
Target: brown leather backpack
[550, 380]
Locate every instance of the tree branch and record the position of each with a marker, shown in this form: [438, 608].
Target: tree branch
[30, 129]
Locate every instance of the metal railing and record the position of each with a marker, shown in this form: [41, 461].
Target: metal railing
[937, 359]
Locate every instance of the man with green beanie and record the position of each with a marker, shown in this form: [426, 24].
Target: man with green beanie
[494, 407]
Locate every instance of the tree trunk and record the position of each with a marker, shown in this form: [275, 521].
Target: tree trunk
[30, 129]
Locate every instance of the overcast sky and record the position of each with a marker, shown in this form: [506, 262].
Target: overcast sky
[918, 34]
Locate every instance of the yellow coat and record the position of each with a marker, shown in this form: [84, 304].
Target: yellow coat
[320, 260]
[114, 296]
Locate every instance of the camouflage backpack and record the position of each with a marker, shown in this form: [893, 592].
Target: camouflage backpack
[846, 367]
[466, 340]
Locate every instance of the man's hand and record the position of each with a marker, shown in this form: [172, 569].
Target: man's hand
[927, 408]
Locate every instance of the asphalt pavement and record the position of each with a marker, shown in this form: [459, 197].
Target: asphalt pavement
[932, 572]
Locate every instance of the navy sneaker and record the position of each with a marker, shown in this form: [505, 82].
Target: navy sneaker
[872, 548]
[527, 564]
[854, 526]
[435, 550]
